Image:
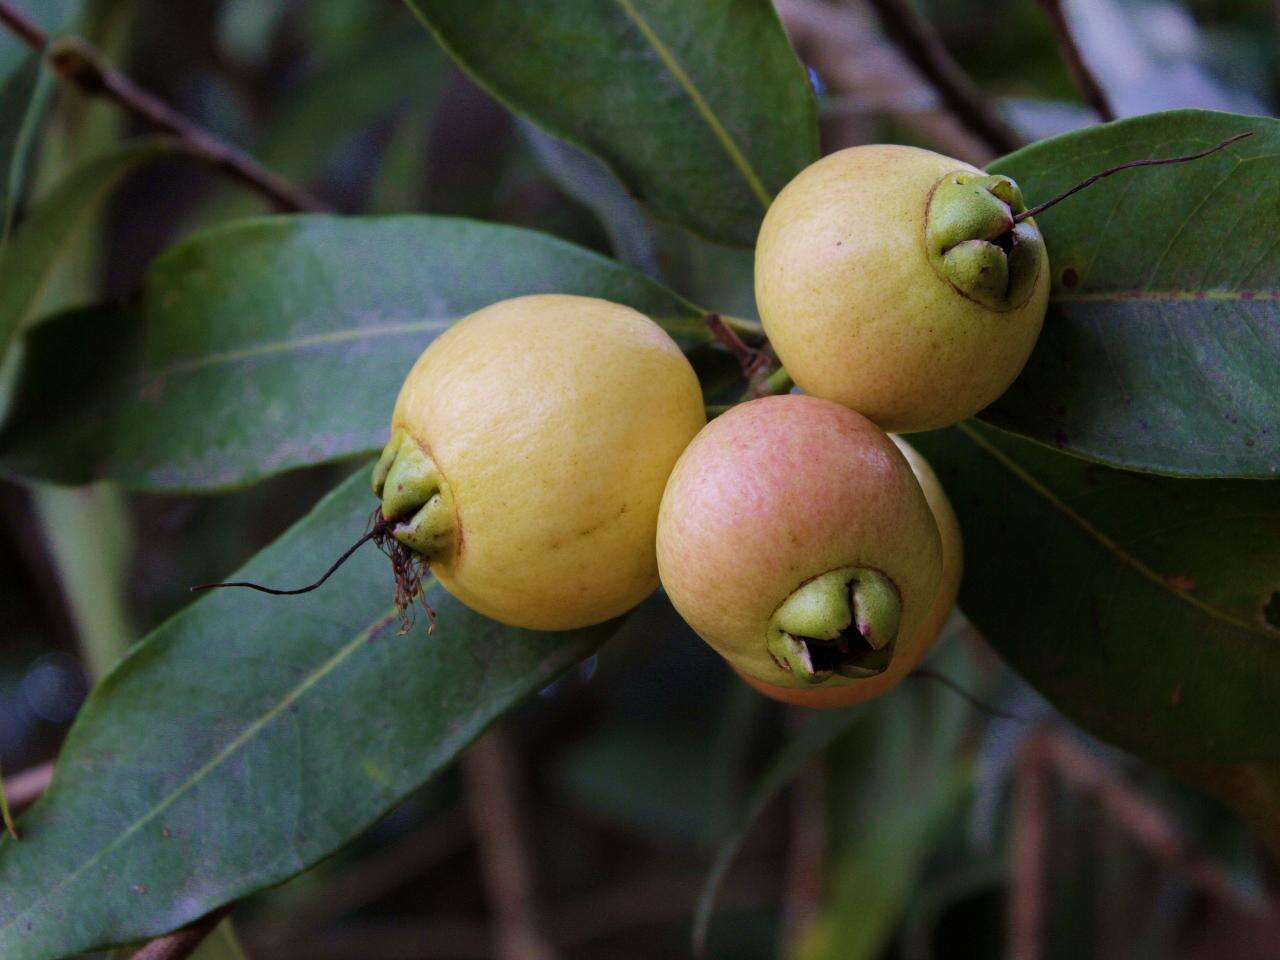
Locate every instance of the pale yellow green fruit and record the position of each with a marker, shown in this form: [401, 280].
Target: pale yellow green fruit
[894, 281]
[530, 447]
[795, 539]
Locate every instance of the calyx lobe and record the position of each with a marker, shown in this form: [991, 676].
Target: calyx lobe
[844, 622]
[414, 495]
[975, 244]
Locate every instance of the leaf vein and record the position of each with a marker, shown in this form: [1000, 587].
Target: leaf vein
[668, 58]
[299, 343]
[1106, 542]
[360, 639]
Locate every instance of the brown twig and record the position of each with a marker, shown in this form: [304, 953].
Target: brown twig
[1040, 208]
[81, 64]
[752, 361]
[1086, 83]
[654, 899]
[1148, 825]
[374, 877]
[508, 876]
[182, 943]
[928, 673]
[1029, 849]
[439, 938]
[866, 79]
[922, 45]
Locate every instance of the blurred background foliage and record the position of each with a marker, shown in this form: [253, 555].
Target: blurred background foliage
[925, 829]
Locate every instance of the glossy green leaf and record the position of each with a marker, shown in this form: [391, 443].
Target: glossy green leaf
[1161, 350]
[1147, 609]
[701, 109]
[251, 736]
[895, 781]
[23, 99]
[24, 95]
[28, 260]
[274, 343]
[386, 72]
[400, 185]
[587, 180]
[815, 736]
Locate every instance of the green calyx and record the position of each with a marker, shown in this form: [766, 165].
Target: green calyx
[975, 244]
[414, 494]
[844, 622]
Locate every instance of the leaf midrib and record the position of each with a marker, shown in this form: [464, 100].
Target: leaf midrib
[700, 104]
[309, 681]
[299, 344]
[1095, 296]
[1106, 542]
[686, 326]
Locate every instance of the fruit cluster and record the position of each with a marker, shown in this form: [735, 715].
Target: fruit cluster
[550, 456]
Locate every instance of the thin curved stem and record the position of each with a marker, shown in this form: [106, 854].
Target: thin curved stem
[1154, 162]
[378, 530]
[84, 66]
[925, 673]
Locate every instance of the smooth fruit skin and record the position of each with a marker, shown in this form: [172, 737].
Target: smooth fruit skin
[855, 309]
[928, 632]
[779, 491]
[555, 422]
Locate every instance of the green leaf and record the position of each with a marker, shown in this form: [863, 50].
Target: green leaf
[815, 736]
[28, 260]
[23, 99]
[251, 736]
[88, 536]
[896, 780]
[1161, 350]
[400, 185]
[590, 182]
[274, 343]
[24, 95]
[645, 776]
[701, 109]
[1147, 609]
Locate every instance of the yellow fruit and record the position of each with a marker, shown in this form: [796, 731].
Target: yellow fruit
[529, 449]
[893, 280]
[928, 632]
[795, 540]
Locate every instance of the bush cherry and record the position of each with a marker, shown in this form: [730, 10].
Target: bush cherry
[928, 632]
[529, 448]
[795, 539]
[896, 281]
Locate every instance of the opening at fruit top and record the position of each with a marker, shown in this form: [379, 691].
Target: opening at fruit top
[415, 498]
[978, 242]
[842, 623]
